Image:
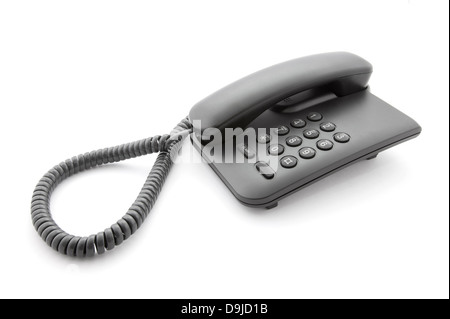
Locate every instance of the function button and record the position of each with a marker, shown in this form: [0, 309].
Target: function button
[288, 162]
[264, 138]
[307, 152]
[341, 137]
[282, 130]
[311, 133]
[248, 153]
[324, 145]
[327, 127]
[276, 149]
[298, 123]
[265, 170]
[314, 116]
[294, 141]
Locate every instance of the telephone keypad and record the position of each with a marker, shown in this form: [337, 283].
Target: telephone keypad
[276, 149]
[311, 133]
[288, 162]
[341, 137]
[307, 152]
[324, 145]
[282, 130]
[314, 116]
[264, 139]
[327, 127]
[298, 123]
[294, 141]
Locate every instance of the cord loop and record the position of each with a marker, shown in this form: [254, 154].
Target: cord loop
[115, 235]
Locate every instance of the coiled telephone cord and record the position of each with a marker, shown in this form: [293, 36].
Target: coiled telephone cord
[64, 243]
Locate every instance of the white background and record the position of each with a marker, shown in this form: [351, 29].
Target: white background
[81, 75]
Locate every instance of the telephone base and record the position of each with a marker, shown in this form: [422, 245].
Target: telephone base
[362, 126]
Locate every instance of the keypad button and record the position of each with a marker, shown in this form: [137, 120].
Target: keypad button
[276, 149]
[327, 127]
[314, 116]
[307, 152]
[264, 138]
[324, 145]
[294, 141]
[282, 130]
[298, 123]
[264, 169]
[311, 134]
[341, 137]
[248, 153]
[288, 162]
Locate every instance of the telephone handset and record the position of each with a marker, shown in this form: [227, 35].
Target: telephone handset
[239, 103]
[266, 136]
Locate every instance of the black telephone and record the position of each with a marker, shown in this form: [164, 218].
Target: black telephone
[266, 136]
[321, 113]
